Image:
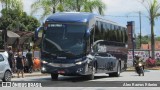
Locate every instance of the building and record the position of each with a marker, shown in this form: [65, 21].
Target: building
[131, 34]
[148, 46]
[18, 40]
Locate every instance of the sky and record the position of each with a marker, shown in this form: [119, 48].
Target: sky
[120, 11]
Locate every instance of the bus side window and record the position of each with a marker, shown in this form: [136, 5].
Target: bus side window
[91, 39]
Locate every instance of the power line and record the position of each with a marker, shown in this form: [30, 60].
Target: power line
[126, 16]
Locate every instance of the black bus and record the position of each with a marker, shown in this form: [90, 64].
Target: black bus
[82, 43]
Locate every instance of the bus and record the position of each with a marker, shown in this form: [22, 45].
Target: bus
[81, 43]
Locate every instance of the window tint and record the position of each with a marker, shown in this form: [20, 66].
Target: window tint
[103, 55]
[108, 26]
[112, 27]
[1, 58]
[110, 32]
[97, 31]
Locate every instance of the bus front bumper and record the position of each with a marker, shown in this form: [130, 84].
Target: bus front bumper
[66, 69]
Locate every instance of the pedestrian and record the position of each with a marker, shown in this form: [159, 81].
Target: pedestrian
[10, 57]
[26, 70]
[30, 61]
[37, 64]
[20, 64]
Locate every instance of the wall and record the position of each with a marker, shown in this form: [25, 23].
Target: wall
[143, 53]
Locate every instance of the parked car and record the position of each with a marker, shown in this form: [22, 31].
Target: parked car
[5, 70]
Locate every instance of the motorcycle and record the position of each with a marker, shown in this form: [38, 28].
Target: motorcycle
[140, 69]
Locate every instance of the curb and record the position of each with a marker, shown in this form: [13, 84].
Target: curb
[31, 75]
[145, 69]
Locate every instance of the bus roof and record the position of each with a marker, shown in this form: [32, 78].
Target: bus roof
[70, 17]
[81, 17]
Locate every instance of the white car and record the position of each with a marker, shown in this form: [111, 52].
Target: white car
[5, 70]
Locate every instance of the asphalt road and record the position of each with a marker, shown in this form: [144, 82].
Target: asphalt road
[150, 75]
[101, 81]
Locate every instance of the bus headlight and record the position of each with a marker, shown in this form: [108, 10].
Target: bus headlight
[43, 69]
[44, 62]
[79, 63]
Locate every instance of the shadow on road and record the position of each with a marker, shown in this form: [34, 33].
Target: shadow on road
[71, 78]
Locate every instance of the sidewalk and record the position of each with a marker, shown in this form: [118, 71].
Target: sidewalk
[38, 73]
[147, 68]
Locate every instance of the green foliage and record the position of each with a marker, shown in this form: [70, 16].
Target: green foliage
[13, 19]
[52, 6]
[13, 4]
[158, 62]
[144, 40]
[153, 8]
[157, 38]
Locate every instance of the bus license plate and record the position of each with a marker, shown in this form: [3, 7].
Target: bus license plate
[61, 72]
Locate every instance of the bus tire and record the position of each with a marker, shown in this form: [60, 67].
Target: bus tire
[91, 76]
[116, 74]
[54, 76]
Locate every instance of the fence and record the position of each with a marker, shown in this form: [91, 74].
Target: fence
[143, 53]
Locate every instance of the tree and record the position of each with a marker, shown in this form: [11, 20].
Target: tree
[52, 6]
[13, 4]
[85, 5]
[144, 40]
[90, 5]
[15, 20]
[157, 38]
[152, 7]
[48, 6]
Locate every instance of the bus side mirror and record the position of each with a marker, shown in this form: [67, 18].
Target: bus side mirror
[37, 32]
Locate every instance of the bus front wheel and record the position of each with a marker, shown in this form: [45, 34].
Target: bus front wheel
[54, 76]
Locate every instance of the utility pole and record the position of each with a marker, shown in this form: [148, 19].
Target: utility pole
[140, 27]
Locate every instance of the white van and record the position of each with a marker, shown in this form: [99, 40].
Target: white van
[5, 70]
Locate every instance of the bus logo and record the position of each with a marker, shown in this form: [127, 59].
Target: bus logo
[61, 57]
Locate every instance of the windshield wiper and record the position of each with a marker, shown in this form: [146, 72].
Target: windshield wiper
[58, 47]
[49, 53]
[67, 53]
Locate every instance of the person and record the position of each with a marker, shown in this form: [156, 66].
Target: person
[137, 60]
[30, 61]
[20, 64]
[25, 65]
[37, 64]
[10, 57]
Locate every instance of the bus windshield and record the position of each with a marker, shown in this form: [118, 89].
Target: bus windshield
[64, 39]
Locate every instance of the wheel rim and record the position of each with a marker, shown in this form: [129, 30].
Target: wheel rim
[7, 76]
